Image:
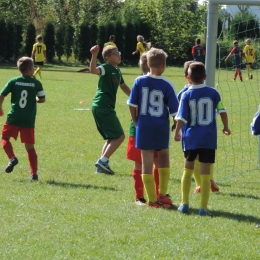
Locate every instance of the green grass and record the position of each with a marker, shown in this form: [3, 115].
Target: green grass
[73, 213]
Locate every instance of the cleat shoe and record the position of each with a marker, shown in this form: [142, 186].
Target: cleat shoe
[140, 202]
[197, 190]
[203, 212]
[213, 186]
[99, 170]
[184, 208]
[158, 204]
[104, 166]
[9, 168]
[34, 177]
[251, 76]
[164, 199]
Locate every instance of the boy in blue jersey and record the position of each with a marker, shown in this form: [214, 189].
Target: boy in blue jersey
[151, 101]
[237, 61]
[197, 110]
[196, 172]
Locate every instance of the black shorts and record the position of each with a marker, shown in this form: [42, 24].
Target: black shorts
[40, 63]
[248, 63]
[205, 155]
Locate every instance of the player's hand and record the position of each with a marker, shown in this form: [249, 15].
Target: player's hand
[226, 131]
[94, 50]
[177, 137]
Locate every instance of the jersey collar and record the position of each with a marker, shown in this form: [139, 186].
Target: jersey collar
[197, 86]
[154, 77]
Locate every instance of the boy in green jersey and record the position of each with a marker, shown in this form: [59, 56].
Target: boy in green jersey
[103, 106]
[25, 91]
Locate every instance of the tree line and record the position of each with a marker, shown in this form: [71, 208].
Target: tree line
[71, 27]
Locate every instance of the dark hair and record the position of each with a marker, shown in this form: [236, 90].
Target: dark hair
[197, 72]
[186, 67]
[198, 40]
[112, 37]
[24, 64]
[235, 42]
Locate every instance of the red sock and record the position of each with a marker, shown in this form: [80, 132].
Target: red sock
[235, 76]
[240, 76]
[138, 184]
[156, 181]
[33, 160]
[8, 148]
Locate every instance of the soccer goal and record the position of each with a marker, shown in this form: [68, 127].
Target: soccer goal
[240, 152]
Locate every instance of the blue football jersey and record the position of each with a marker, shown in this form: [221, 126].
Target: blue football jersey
[255, 125]
[198, 106]
[156, 99]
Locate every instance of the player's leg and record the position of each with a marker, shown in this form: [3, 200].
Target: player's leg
[213, 185]
[111, 130]
[196, 174]
[188, 170]
[134, 154]
[8, 132]
[156, 173]
[164, 175]
[27, 137]
[248, 70]
[206, 158]
[148, 179]
[240, 74]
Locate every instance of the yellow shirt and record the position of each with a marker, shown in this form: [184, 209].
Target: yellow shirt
[249, 51]
[109, 43]
[39, 49]
[140, 48]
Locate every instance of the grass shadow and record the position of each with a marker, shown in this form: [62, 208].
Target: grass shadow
[76, 185]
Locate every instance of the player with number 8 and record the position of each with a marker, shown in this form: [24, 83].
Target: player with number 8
[26, 91]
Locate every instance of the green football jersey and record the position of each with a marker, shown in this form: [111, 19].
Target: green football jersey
[24, 90]
[109, 80]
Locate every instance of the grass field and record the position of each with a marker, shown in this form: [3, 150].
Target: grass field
[73, 213]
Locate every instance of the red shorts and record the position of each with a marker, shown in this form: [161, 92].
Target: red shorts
[133, 153]
[26, 134]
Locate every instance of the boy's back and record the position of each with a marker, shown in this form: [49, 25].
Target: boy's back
[198, 108]
[156, 99]
[24, 90]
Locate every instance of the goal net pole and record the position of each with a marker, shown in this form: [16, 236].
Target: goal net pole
[212, 27]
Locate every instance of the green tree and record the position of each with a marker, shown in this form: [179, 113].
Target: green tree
[10, 41]
[68, 40]
[3, 40]
[80, 43]
[29, 39]
[59, 43]
[130, 43]
[49, 40]
[120, 38]
[18, 40]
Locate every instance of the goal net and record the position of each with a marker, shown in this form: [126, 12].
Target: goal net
[238, 153]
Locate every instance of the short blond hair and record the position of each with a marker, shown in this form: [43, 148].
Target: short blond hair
[107, 51]
[248, 40]
[24, 64]
[143, 63]
[186, 67]
[156, 58]
[39, 38]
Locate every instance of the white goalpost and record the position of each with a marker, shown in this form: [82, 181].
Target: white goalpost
[241, 142]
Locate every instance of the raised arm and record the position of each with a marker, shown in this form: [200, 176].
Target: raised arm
[93, 62]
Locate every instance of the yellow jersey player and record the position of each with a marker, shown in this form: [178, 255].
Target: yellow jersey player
[39, 54]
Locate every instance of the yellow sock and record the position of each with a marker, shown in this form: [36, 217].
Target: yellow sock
[34, 74]
[39, 72]
[148, 181]
[164, 175]
[204, 190]
[185, 185]
[196, 173]
[211, 171]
